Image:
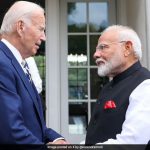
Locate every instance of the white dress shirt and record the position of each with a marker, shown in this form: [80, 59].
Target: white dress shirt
[15, 52]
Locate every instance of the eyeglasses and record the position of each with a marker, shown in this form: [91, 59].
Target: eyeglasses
[102, 47]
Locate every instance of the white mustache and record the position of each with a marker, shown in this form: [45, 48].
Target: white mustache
[100, 60]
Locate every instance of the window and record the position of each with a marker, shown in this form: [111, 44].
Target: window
[84, 20]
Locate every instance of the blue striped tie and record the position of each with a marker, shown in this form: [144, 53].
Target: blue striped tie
[27, 71]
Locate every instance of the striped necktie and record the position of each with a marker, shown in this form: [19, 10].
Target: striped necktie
[26, 69]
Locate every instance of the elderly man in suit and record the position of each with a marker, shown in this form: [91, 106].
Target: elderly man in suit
[21, 115]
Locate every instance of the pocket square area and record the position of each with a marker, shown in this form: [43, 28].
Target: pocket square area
[110, 104]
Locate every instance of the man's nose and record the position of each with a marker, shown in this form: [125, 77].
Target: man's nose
[43, 36]
[97, 54]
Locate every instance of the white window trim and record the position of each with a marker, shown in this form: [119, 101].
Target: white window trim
[52, 65]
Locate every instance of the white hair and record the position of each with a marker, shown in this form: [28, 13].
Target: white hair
[19, 10]
[128, 34]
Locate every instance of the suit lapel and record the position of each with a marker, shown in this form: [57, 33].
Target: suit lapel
[27, 84]
[23, 77]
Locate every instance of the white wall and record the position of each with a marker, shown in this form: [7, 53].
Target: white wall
[52, 65]
[136, 18]
[134, 13]
[147, 12]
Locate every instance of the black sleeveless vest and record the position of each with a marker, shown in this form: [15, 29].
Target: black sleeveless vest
[106, 123]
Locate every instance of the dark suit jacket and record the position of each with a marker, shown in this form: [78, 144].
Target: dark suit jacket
[21, 117]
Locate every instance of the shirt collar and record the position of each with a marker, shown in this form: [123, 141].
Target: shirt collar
[15, 51]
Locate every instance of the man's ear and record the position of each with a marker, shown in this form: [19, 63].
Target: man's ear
[20, 27]
[128, 48]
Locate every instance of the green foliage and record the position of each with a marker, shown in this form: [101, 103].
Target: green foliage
[40, 61]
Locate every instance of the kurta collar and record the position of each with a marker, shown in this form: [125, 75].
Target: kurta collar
[126, 73]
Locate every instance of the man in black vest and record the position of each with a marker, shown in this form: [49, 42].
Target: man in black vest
[121, 113]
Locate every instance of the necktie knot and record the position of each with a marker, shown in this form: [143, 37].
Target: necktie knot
[26, 69]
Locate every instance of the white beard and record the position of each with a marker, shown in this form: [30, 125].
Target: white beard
[105, 69]
[111, 66]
